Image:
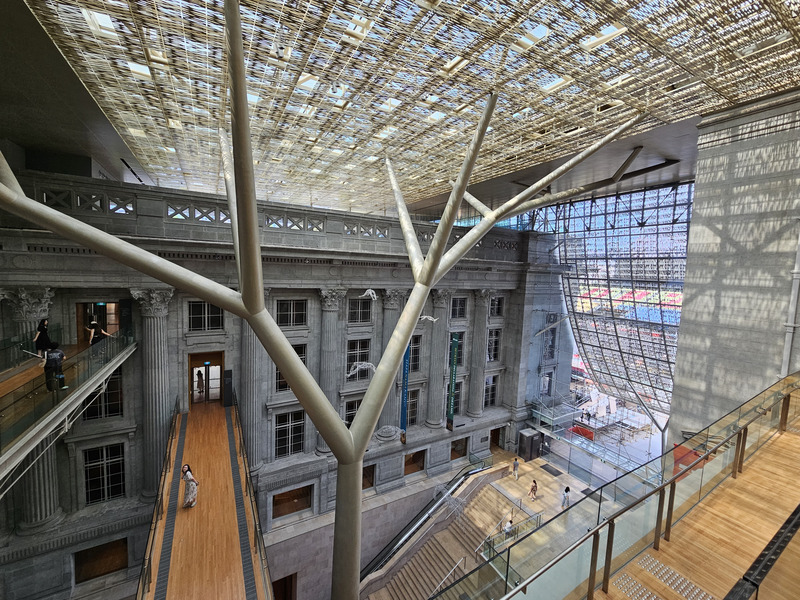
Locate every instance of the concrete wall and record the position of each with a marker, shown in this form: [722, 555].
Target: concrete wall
[742, 246]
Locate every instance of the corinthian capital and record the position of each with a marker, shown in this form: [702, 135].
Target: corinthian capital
[29, 304]
[153, 303]
[392, 299]
[332, 298]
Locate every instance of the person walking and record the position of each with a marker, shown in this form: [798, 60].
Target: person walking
[96, 332]
[190, 491]
[508, 527]
[565, 498]
[516, 468]
[42, 340]
[53, 364]
[533, 490]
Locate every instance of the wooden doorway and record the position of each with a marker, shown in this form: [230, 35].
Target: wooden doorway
[205, 377]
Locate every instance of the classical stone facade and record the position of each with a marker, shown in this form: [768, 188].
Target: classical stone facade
[336, 284]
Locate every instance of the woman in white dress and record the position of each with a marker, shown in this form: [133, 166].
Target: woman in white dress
[190, 491]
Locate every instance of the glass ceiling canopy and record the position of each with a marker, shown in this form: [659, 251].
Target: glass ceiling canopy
[333, 86]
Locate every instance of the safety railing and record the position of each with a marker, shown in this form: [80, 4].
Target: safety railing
[627, 514]
[22, 408]
[146, 576]
[257, 533]
[453, 574]
[492, 544]
[17, 349]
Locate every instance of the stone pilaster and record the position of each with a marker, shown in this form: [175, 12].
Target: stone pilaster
[40, 504]
[28, 307]
[392, 304]
[332, 357]
[440, 340]
[477, 367]
[253, 372]
[154, 307]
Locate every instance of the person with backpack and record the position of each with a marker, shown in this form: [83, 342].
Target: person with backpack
[53, 374]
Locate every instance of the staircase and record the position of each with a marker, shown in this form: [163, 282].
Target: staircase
[422, 572]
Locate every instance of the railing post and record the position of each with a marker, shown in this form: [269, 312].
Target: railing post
[657, 539]
[609, 554]
[735, 467]
[784, 413]
[670, 506]
[593, 565]
[741, 452]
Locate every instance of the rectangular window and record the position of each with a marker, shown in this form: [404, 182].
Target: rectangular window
[414, 462]
[460, 352]
[456, 398]
[350, 410]
[490, 391]
[289, 433]
[292, 313]
[104, 473]
[101, 560]
[547, 384]
[413, 360]
[281, 384]
[107, 403]
[496, 306]
[411, 407]
[357, 352]
[292, 501]
[493, 346]
[458, 308]
[359, 310]
[204, 316]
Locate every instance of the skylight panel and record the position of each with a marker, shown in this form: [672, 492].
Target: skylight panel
[386, 132]
[617, 81]
[100, 24]
[140, 71]
[158, 57]
[453, 66]
[174, 123]
[357, 30]
[529, 39]
[390, 104]
[137, 132]
[436, 116]
[603, 37]
[559, 84]
[252, 98]
[428, 4]
[307, 82]
[764, 44]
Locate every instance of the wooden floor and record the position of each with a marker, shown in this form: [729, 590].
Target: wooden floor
[717, 542]
[206, 556]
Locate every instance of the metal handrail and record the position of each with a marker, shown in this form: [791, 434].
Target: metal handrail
[146, 575]
[446, 577]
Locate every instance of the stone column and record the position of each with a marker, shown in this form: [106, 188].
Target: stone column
[392, 303]
[440, 344]
[40, 505]
[154, 306]
[251, 407]
[332, 353]
[28, 307]
[477, 365]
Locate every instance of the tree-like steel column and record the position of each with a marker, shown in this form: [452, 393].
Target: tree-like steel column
[347, 445]
[154, 306]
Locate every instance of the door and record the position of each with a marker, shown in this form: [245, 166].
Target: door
[205, 376]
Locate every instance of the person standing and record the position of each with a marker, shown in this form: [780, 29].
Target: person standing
[190, 491]
[201, 386]
[516, 468]
[53, 364]
[565, 498]
[508, 527]
[533, 490]
[42, 339]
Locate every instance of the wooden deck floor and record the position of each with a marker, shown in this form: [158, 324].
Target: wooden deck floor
[717, 542]
[209, 553]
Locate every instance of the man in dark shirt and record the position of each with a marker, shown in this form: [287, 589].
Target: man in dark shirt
[54, 377]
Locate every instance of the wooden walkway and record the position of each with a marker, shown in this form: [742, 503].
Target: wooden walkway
[207, 551]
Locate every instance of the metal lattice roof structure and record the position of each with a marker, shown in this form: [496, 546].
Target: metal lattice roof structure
[334, 86]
